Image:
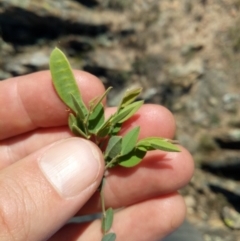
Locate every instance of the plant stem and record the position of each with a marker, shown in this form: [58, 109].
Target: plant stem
[111, 162]
[103, 202]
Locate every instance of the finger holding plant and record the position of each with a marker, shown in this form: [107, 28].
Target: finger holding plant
[90, 123]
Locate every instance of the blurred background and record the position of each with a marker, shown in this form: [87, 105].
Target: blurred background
[186, 56]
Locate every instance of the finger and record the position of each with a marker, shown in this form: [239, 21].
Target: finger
[29, 102]
[159, 174]
[154, 120]
[42, 191]
[16, 148]
[150, 220]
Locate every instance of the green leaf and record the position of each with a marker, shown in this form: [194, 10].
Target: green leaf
[74, 126]
[113, 125]
[114, 146]
[156, 143]
[109, 237]
[96, 118]
[129, 140]
[64, 80]
[79, 109]
[107, 220]
[77, 131]
[129, 97]
[99, 100]
[126, 112]
[115, 129]
[133, 158]
[105, 128]
[72, 120]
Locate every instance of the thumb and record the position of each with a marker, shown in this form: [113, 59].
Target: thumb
[39, 193]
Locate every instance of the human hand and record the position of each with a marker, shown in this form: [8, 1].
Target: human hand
[47, 175]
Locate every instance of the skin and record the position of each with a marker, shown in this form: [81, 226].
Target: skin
[32, 118]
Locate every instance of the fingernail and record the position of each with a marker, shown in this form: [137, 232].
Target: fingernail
[71, 166]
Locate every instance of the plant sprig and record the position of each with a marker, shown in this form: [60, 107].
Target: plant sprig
[90, 123]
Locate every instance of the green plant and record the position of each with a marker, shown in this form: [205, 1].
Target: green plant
[89, 123]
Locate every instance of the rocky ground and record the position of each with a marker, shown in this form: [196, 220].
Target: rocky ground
[184, 53]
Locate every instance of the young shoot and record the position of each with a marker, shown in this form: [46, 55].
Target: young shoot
[90, 123]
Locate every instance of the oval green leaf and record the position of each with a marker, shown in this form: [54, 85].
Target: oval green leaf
[109, 237]
[72, 120]
[114, 146]
[156, 143]
[78, 132]
[105, 129]
[99, 100]
[129, 97]
[127, 112]
[79, 110]
[133, 158]
[129, 140]
[115, 129]
[96, 118]
[64, 80]
[107, 220]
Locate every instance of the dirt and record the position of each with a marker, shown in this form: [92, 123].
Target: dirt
[186, 56]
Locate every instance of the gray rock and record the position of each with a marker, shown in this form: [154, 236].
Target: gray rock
[39, 59]
[231, 217]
